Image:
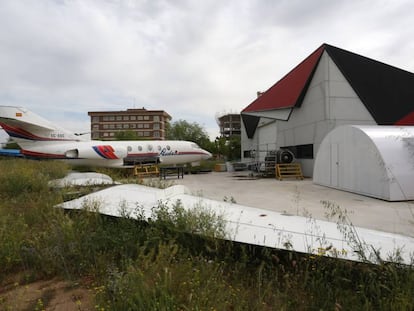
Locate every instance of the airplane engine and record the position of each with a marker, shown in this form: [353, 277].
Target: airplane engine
[285, 156]
[98, 152]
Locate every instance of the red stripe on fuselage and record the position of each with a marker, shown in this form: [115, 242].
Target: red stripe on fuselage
[42, 155]
[106, 151]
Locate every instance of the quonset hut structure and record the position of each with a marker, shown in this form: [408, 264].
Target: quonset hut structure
[376, 161]
[330, 88]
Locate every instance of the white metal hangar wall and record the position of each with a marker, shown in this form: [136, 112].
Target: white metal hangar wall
[315, 97]
[376, 161]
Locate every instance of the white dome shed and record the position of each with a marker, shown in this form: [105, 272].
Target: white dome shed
[376, 161]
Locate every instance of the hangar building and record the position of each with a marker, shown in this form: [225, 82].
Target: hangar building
[331, 87]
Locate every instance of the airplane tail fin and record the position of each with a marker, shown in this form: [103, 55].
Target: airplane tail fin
[26, 127]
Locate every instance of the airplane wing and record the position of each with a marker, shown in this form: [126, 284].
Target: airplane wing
[257, 226]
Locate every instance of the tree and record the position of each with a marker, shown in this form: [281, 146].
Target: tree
[228, 149]
[220, 147]
[234, 148]
[183, 130]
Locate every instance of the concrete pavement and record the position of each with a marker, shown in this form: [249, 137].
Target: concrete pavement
[301, 198]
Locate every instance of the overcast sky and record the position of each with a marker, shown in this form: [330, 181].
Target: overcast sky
[194, 59]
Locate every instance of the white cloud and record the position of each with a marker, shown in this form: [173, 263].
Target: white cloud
[190, 58]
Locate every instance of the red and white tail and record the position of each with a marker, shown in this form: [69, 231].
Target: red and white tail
[27, 128]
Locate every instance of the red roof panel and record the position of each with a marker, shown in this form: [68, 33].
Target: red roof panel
[407, 120]
[287, 91]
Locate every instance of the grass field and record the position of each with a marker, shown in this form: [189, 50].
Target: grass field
[127, 264]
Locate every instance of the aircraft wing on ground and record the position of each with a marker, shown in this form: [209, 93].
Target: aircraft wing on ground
[258, 226]
[82, 179]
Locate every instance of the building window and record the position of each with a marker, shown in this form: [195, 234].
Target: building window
[247, 154]
[95, 127]
[126, 126]
[146, 126]
[105, 134]
[146, 118]
[140, 125]
[133, 126]
[105, 118]
[119, 126]
[156, 134]
[95, 135]
[111, 126]
[126, 118]
[133, 118]
[146, 134]
[111, 118]
[156, 126]
[95, 119]
[105, 126]
[119, 118]
[139, 118]
[156, 118]
[301, 151]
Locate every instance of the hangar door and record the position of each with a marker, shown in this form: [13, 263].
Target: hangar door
[334, 164]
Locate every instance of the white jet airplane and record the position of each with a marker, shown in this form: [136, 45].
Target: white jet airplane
[40, 139]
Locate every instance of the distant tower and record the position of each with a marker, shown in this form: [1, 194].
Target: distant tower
[229, 124]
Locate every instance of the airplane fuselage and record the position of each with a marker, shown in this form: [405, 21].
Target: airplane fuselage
[41, 139]
[118, 153]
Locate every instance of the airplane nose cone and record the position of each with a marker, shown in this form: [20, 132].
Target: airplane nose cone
[206, 155]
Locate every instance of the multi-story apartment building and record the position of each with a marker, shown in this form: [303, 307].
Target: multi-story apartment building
[148, 124]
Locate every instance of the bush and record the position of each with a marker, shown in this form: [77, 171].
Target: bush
[177, 260]
[23, 177]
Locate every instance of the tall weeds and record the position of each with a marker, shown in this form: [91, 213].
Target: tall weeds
[175, 261]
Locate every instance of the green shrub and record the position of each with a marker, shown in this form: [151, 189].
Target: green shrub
[177, 260]
[20, 178]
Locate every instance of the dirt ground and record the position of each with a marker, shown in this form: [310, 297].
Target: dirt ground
[48, 295]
